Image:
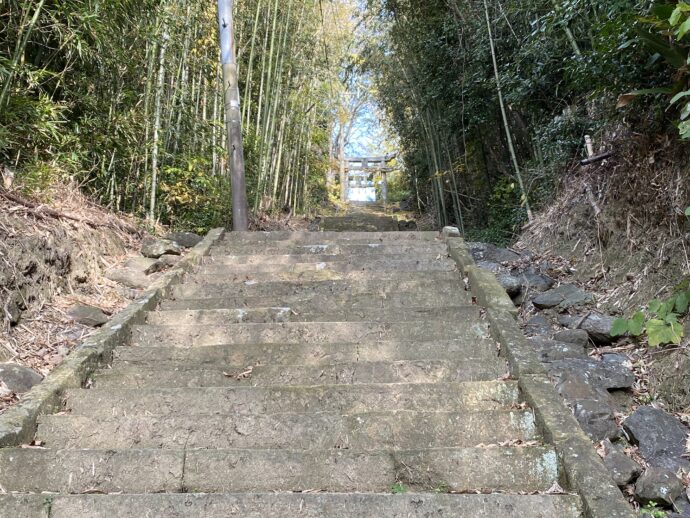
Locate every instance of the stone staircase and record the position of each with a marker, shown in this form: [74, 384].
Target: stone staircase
[298, 374]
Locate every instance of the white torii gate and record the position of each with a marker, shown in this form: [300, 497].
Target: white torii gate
[359, 169]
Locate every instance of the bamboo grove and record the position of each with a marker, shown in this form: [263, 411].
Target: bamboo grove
[123, 98]
[492, 98]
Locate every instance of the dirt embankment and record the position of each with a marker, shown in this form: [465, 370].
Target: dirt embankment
[51, 258]
[621, 224]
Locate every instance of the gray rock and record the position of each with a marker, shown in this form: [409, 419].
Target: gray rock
[185, 239]
[619, 359]
[87, 315]
[511, 284]
[596, 419]
[623, 469]
[659, 486]
[550, 350]
[19, 379]
[156, 267]
[661, 438]
[154, 248]
[574, 387]
[617, 446]
[601, 374]
[525, 298]
[492, 267]
[492, 254]
[128, 277]
[141, 264]
[538, 325]
[170, 260]
[563, 297]
[162, 264]
[598, 326]
[573, 336]
[533, 280]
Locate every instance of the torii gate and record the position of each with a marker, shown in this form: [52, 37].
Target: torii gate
[359, 168]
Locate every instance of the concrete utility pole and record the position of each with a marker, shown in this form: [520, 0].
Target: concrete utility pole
[233, 116]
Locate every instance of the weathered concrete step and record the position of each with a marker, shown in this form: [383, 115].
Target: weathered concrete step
[304, 260]
[360, 222]
[343, 399]
[272, 505]
[303, 354]
[358, 373]
[326, 275]
[362, 432]
[315, 237]
[440, 289]
[342, 267]
[307, 332]
[417, 250]
[219, 471]
[287, 314]
[315, 302]
[82, 471]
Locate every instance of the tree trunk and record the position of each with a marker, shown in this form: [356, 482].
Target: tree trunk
[341, 160]
[160, 85]
[233, 114]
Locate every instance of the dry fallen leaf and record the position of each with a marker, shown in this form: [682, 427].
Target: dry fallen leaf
[625, 99]
[555, 490]
[241, 375]
[4, 390]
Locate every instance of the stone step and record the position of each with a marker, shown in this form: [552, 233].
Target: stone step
[304, 505]
[343, 399]
[305, 260]
[416, 250]
[194, 289]
[362, 432]
[373, 268]
[315, 302]
[307, 333]
[217, 471]
[357, 373]
[288, 314]
[304, 354]
[356, 277]
[360, 223]
[315, 237]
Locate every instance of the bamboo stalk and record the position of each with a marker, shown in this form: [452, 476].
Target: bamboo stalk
[22, 43]
[506, 125]
[160, 84]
